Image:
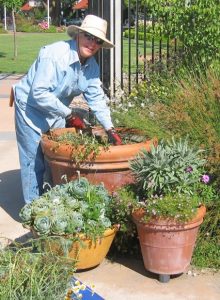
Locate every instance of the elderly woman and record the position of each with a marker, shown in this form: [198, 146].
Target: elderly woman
[61, 71]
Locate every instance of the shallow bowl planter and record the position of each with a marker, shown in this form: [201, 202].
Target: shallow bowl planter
[167, 245]
[86, 252]
[110, 166]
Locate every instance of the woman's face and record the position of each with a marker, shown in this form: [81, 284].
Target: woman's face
[88, 45]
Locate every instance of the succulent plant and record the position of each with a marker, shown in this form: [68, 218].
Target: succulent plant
[69, 209]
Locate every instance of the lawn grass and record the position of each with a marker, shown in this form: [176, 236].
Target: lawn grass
[29, 44]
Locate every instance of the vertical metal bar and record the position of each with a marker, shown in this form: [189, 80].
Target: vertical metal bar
[114, 73]
[137, 44]
[129, 46]
[160, 47]
[152, 49]
[105, 9]
[122, 47]
[168, 51]
[145, 41]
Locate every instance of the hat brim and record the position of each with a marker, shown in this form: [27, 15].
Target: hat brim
[72, 30]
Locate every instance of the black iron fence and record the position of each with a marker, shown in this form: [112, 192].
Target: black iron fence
[144, 47]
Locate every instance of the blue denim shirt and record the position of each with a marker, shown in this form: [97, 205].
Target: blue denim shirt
[54, 79]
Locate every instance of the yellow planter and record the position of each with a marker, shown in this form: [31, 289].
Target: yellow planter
[86, 252]
[90, 253]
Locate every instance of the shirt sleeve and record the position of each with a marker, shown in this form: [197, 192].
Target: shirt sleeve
[97, 101]
[47, 77]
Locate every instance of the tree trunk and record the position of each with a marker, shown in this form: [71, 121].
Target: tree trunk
[14, 31]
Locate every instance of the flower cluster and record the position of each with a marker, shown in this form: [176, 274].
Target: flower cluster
[75, 291]
[43, 25]
[69, 209]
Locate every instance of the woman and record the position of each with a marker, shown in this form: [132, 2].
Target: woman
[61, 71]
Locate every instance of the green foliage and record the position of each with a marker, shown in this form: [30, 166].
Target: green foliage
[195, 24]
[169, 167]
[121, 206]
[85, 146]
[171, 179]
[181, 104]
[26, 274]
[207, 250]
[71, 208]
[12, 4]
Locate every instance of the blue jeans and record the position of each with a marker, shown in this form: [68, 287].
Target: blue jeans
[31, 158]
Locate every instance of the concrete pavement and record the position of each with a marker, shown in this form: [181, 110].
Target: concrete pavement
[10, 185]
[124, 279]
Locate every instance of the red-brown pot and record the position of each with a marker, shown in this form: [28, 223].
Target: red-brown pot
[167, 245]
[110, 166]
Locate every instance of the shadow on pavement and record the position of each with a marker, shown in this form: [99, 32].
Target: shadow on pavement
[11, 199]
[136, 265]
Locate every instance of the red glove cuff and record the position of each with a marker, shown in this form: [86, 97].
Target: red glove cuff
[75, 122]
[114, 137]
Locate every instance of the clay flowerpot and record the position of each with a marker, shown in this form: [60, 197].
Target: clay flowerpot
[86, 252]
[166, 245]
[110, 166]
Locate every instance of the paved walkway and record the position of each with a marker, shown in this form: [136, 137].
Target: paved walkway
[123, 280]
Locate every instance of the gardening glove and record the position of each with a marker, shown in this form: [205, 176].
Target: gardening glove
[113, 137]
[75, 121]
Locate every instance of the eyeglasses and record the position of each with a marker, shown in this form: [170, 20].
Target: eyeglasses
[93, 38]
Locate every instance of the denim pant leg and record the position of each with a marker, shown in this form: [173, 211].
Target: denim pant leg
[31, 158]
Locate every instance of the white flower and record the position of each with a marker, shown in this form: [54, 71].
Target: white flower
[56, 200]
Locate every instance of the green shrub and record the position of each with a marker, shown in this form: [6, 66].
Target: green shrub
[178, 105]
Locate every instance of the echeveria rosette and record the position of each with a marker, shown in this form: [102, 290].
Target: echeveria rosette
[40, 207]
[102, 193]
[79, 188]
[105, 222]
[26, 214]
[72, 203]
[42, 225]
[75, 222]
[59, 223]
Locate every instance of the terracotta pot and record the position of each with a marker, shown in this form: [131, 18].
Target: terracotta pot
[86, 252]
[110, 166]
[167, 245]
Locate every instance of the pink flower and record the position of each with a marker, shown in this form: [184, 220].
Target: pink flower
[189, 169]
[205, 178]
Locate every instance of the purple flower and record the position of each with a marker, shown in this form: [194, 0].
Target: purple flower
[205, 178]
[189, 169]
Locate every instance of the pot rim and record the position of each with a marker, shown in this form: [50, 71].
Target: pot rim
[163, 223]
[121, 153]
[82, 236]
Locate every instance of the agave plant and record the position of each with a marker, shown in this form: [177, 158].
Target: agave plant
[69, 209]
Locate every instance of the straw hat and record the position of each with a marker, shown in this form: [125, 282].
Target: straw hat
[93, 25]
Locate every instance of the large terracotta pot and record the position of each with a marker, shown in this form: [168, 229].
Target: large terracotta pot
[110, 166]
[87, 253]
[167, 245]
